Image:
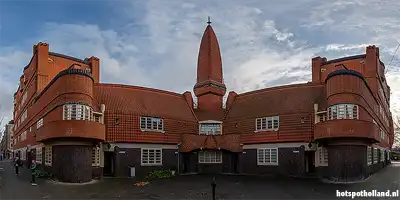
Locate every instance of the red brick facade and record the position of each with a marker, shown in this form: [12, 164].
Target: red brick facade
[114, 119]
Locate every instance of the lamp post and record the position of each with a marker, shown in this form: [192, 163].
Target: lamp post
[213, 185]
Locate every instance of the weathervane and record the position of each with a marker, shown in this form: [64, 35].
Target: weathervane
[209, 20]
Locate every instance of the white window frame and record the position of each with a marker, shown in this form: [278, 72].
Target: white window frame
[343, 111]
[74, 111]
[265, 154]
[39, 155]
[267, 124]
[369, 155]
[96, 156]
[375, 155]
[147, 124]
[39, 123]
[145, 159]
[212, 131]
[323, 156]
[209, 157]
[382, 156]
[48, 153]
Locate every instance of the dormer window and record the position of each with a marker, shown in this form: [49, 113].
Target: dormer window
[210, 128]
[267, 123]
[151, 124]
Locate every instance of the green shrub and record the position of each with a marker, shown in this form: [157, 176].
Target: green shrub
[159, 174]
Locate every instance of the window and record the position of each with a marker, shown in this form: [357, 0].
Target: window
[323, 156]
[77, 112]
[24, 116]
[267, 156]
[369, 155]
[39, 155]
[321, 117]
[267, 123]
[151, 124]
[382, 155]
[210, 156]
[210, 129]
[24, 98]
[23, 136]
[48, 155]
[343, 111]
[39, 123]
[375, 156]
[151, 157]
[96, 156]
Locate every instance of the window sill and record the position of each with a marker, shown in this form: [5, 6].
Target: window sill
[148, 130]
[266, 130]
[150, 165]
[267, 164]
[210, 163]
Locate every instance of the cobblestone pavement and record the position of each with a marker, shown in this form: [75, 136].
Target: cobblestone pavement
[191, 187]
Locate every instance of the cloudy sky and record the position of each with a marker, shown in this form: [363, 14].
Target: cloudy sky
[155, 43]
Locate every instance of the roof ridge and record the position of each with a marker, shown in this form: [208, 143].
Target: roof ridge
[139, 88]
[281, 87]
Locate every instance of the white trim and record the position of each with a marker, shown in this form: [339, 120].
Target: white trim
[142, 145]
[151, 164]
[270, 156]
[321, 112]
[274, 145]
[210, 122]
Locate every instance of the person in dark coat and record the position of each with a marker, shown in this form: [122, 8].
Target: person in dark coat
[17, 164]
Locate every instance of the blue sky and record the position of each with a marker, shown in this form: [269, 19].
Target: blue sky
[155, 43]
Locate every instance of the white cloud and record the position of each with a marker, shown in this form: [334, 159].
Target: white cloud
[262, 44]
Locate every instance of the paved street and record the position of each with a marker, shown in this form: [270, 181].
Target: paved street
[191, 187]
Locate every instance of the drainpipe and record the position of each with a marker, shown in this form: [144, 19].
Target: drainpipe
[179, 160]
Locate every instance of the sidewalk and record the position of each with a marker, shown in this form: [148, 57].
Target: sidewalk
[17, 187]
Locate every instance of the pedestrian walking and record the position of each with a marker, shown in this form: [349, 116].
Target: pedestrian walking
[17, 164]
[33, 172]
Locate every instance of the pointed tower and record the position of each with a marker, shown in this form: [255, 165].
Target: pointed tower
[210, 87]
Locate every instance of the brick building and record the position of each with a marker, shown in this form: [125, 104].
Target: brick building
[338, 126]
[6, 144]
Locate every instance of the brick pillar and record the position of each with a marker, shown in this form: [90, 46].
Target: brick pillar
[116, 162]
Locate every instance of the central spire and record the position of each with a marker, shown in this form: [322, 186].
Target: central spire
[209, 87]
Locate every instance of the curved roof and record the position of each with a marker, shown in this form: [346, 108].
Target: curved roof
[278, 100]
[344, 72]
[143, 101]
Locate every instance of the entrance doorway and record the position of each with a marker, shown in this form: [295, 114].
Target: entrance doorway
[108, 169]
[310, 161]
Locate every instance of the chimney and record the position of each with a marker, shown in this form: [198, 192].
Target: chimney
[372, 53]
[189, 99]
[316, 69]
[94, 64]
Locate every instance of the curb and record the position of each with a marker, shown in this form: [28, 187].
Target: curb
[72, 184]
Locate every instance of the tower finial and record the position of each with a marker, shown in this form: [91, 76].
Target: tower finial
[209, 20]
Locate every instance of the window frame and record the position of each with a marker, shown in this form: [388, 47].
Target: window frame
[39, 123]
[217, 159]
[76, 111]
[343, 111]
[263, 123]
[264, 155]
[146, 124]
[96, 157]
[213, 131]
[323, 156]
[369, 156]
[39, 154]
[155, 163]
[48, 155]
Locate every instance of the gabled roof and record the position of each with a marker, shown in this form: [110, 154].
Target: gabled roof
[143, 101]
[277, 100]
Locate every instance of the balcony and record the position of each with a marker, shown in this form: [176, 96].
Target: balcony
[71, 129]
[346, 128]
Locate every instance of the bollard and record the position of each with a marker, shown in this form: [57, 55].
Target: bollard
[213, 185]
